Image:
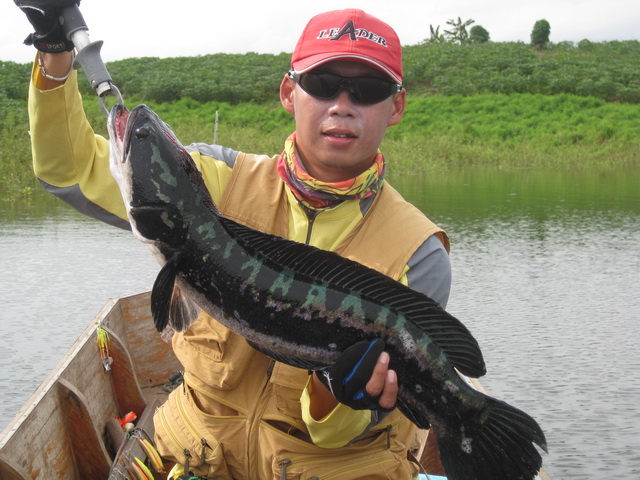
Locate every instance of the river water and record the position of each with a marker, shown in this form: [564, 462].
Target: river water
[546, 276]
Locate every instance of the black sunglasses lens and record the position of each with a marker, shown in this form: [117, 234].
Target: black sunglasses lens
[364, 90]
[370, 90]
[322, 85]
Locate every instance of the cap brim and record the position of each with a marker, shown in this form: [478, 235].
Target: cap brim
[314, 61]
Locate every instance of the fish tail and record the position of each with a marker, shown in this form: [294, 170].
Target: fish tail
[496, 444]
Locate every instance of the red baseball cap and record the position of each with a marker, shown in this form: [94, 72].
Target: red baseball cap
[349, 34]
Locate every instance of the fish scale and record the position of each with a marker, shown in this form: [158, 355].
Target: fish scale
[304, 306]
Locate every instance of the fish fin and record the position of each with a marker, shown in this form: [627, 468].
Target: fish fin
[169, 304]
[163, 224]
[162, 294]
[183, 311]
[311, 263]
[292, 361]
[497, 443]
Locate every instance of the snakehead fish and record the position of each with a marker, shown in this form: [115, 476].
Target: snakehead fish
[304, 306]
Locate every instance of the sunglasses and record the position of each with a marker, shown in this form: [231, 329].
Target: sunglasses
[362, 90]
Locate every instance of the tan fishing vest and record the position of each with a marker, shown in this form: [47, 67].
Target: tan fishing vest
[238, 413]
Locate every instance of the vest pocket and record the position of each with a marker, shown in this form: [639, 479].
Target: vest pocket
[225, 354]
[182, 437]
[372, 466]
[376, 458]
[287, 383]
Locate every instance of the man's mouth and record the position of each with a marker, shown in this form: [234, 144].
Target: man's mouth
[338, 134]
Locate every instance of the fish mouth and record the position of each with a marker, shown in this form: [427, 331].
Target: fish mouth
[118, 129]
[129, 125]
[122, 126]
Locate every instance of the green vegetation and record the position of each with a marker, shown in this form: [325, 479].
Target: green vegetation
[221, 77]
[484, 103]
[523, 130]
[610, 70]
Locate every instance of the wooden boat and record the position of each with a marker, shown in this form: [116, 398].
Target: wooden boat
[66, 429]
[61, 432]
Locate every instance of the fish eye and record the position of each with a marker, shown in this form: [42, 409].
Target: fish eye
[141, 133]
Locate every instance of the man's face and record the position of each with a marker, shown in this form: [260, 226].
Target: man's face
[338, 139]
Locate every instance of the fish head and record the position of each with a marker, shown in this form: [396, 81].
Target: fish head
[157, 177]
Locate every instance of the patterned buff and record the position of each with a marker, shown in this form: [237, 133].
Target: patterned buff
[317, 195]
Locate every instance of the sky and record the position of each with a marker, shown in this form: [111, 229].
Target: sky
[139, 28]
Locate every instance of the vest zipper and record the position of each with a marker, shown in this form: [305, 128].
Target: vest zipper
[254, 416]
[311, 217]
[187, 459]
[203, 454]
[270, 368]
[283, 473]
[175, 440]
[388, 430]
[194, 430]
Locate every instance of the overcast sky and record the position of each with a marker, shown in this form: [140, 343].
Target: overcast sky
[138, 28]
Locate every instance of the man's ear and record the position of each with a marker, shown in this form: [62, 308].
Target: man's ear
[287, 88]
[399, 104]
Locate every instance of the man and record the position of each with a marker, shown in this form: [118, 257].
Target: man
[239, 414]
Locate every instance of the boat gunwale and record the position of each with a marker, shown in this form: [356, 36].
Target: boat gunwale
[58, 371]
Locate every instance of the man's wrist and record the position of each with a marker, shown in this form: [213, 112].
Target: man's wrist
[54, 69]
[322, 402]
[56, 66]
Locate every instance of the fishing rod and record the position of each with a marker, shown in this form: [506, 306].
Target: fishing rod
[88, 56]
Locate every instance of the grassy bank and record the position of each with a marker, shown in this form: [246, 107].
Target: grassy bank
[495, 104]
[517, 130]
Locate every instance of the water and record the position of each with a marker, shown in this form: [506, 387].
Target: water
[546, 275]
[58, 269]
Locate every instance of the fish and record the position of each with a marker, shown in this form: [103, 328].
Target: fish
[304, 306]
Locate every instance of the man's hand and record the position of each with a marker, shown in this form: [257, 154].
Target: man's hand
[44, 16]
[383, 384]
[361, 378]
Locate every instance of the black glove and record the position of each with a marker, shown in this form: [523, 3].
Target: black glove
[347, 379]
[44, 15]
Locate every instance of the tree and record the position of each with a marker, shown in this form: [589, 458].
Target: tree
[436, 36]
[459, 31]
[478, 34]
[540, 34]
